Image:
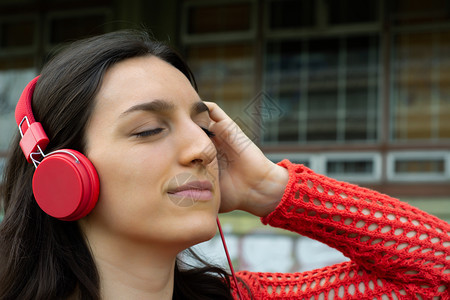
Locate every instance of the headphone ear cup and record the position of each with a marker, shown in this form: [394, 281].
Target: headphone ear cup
[66, 185]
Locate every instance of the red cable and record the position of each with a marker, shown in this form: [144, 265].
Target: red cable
[228, 258]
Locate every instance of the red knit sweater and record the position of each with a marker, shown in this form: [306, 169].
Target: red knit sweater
[396, 251]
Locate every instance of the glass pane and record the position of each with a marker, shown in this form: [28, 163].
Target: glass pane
[420, 166]
[413, 12]
[357, 167]
[289, 124]
[283, 79]
[420, 104]
[292, 14]
[356, 120]
[352, 11]
[219, 18]
[322, 90]
[322, 119]
[17, 34]
[444, 86]
[18, 62]
[361, 88]
[323, 64]
[72, 28]
[225, 74]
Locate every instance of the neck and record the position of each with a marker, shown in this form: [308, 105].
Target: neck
[132, 269]
[136, 278]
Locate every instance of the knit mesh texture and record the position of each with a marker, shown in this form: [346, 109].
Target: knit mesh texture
[396, 251]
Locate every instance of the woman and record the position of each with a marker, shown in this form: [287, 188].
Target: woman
[130, 105]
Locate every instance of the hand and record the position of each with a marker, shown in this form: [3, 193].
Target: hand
[248, 180]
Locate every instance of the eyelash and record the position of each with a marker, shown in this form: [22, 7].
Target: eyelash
[148, 132]
[159, 130]
[208, 132]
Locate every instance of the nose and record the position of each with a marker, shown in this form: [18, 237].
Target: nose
[196, 148]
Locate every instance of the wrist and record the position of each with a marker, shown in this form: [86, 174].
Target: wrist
[268, 193]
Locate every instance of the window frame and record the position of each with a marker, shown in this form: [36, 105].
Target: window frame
[61, 14]
[21, 50]
[318, 163]
[220, 37]
[393, 156]
[374, 99]
[374, 157]
[322, 30]
[322, 27]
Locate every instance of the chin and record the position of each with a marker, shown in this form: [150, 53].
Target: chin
[198, 231]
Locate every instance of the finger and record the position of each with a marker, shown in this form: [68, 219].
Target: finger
[228, 136]
[216, 113]
[223, 123]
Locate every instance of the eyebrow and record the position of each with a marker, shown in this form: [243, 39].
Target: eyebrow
[199, 107]
[162, 106]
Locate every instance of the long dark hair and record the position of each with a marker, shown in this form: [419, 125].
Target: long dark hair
[42, 257]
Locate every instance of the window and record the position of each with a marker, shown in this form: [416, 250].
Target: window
[68, 26]
[219, 45]
[322, 70]
[356, 167]
[18, 41]
[327, 87]
[17, 33]
[216, 19]
[420, 97]
[416, 12]
[224, 74]
[352, 11]
[421, 86]
[292, 14]
[419, 166]
[353, 167]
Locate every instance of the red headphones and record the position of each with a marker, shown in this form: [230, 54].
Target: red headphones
[65, 183]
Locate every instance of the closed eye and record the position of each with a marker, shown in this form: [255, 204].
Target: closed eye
[156, 131]
[147, 133]
[208, 132]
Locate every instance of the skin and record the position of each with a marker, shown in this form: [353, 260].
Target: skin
[147, 132]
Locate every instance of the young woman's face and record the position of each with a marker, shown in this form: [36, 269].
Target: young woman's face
[156, 162]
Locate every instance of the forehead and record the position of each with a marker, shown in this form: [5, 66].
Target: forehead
[142, 79]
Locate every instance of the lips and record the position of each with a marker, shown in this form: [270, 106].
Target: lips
[191, 192]
[193, 185]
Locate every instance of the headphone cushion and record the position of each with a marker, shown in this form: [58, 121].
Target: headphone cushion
[65, 188]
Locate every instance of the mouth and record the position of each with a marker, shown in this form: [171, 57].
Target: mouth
[191, 192]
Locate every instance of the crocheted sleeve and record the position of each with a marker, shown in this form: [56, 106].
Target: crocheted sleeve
[396, 251]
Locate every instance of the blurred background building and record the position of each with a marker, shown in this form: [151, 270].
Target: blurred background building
[356, 90]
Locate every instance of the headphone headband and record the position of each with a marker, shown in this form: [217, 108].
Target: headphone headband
[34, 138]
[23, 108]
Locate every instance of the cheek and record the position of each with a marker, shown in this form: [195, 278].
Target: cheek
[128, 183]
